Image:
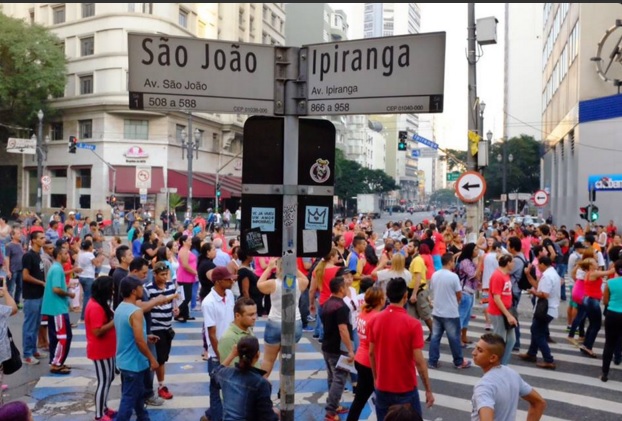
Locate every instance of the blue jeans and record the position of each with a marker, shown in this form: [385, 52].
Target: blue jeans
[441, 325]
[319, 327]
[561, 271]
[465, 308]
[515, 302]
[86, 283]
[539, 333]
[595, 317]
[384, 400]
[133, 395]
[15, 285]
[214, 412]
[193, 300]
[32, 321]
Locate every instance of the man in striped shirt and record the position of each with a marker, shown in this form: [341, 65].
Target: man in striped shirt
[161, 320]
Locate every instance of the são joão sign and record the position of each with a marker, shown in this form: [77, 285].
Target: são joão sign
[181, 73]
[401, 74]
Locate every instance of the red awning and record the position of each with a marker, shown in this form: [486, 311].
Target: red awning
[126, 180]
[200, 186]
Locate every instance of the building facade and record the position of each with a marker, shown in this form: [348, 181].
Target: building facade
[95, 108]
[581, 111]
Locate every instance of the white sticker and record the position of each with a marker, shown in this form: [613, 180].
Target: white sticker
[320, 171]
[316, 218]
[309, 241]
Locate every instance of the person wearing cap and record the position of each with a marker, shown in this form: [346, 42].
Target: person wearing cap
[134, 358]
[162, 320]
[217, 309]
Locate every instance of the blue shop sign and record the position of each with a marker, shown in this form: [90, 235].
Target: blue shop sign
[605, 182]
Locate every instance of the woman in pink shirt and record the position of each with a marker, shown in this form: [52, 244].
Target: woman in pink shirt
[186, 275]
[374, 302]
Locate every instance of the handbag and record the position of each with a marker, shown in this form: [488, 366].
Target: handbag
[14, 363]
[514, 313]
[542, 308]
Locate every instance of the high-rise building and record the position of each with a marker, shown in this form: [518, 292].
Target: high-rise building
[95, 106]
[582, 112]
[384, 20]
[523, 67]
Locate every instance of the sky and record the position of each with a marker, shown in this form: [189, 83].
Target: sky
[434, 18]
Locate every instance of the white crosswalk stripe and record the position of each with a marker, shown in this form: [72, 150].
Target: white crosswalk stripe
[572, 391]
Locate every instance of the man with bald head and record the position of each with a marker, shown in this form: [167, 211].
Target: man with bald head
[222, 258]
[495, 396]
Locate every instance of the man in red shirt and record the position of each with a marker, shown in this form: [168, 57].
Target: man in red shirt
[611, 228]
[503, 321]
[395, 347]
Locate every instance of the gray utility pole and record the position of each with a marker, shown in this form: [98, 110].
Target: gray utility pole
[473, 210]
[39, 162]
[190, 142]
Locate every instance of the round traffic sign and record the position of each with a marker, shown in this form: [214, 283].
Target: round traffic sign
[540, 198]
[143, 175]
[470, 187]
[46, 180]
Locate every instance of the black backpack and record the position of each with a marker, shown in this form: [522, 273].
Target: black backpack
[523, 283]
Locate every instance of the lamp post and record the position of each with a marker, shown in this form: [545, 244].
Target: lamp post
[504, 160]
[39, 162]
[191, 147]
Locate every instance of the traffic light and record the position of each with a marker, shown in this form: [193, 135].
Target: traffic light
[593, 213]
[113, 200]
[73, 142]
[218, 190]
[583, 212]
[402, 137]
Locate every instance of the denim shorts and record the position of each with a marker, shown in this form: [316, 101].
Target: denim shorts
[272, 334]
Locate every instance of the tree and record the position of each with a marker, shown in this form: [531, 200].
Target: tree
[351, 178]
[456, 160]
[443, 197]
[377, 181]
[522, 174]
[32, 69]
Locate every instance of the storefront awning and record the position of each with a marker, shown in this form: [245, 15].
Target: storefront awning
[200, 187]
[125, 179]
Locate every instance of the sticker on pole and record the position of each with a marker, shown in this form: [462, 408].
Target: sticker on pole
[540, 198]
[470, 187]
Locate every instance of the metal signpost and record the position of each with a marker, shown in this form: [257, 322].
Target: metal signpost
[290, 205]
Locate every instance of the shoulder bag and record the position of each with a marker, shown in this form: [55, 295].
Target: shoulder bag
[14, 363]
[542, 308]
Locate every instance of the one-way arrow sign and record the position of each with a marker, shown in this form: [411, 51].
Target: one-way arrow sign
[470, 187]
[540, 198]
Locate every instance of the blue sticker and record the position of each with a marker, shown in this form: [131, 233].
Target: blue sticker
[289, 282]
[316, 218]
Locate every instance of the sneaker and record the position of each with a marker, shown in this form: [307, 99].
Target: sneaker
[528, 358]
[617, 361]
[40, 355]
[433, 366]
[488, 327]
[164, 393]
[465, 364]
[20, 306]
[104, 418]
[154, 401]
[568, 328]
[110, 412]
[342, 409]
[30, 361]
[310, 318]
[316, 336]
[308, 329]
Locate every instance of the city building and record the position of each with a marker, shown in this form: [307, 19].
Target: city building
[95, 108]
[430, 161]
[523, 67]
[390, 19]
[581, 110]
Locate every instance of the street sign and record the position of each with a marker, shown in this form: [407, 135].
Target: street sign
[27, 146]
[143, 177]
[470, 187]
[504, 197]
[85, 146]
[453, 176]
[424, 141]
[46, 180]
[415, 153]
[400, 74]
[540, 198]
[172, 190]
[193, 74]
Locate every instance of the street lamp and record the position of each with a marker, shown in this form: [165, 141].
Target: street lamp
[504, 160]
[39, 162]
[192, 151]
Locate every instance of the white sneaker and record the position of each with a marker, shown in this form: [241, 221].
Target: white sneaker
[155, 400]
[30, 361]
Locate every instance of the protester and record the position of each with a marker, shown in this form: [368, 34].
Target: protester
[495, 396]
[8, 309]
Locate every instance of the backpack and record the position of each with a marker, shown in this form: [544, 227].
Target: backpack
[559, 255]
[523, 283]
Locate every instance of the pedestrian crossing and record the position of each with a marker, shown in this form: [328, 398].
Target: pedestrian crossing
[573, 391]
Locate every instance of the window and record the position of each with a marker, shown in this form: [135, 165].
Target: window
[86, 129]
[136, 129]
[87, 46]
[56, 130]
[183, 18]
[31, 14]
[58, 15]
[61, 173]
[140, 7]
[88, 10]
[83, 178]
[86, 85]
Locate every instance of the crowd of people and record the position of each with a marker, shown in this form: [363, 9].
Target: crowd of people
[367, 309]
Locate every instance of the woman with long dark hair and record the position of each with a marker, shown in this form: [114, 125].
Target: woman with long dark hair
[101, 342]
[186, 275]
[205, 264]
[466, 268]
[246, 393]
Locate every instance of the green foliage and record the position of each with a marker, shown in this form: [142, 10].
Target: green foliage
[523, 173]
[444, 197]
[351, 178]
[175, 201]
[456, 160]
[32, 69]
